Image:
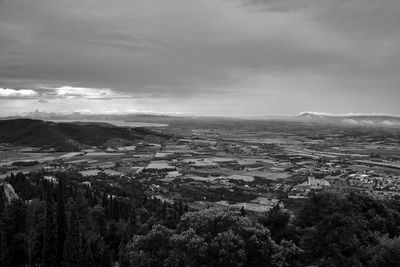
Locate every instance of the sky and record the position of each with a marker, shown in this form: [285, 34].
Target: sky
[200, 57]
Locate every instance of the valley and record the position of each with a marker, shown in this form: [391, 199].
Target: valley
[234, 163]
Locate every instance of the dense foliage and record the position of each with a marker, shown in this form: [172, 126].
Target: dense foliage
[210, 238]
[71, 224]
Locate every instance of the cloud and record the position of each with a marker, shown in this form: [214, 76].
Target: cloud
[72, 92]
[14, 93]
[194, 54]
[351, 114]
[391, 123]
[378, 123]
[63, 92]
[175, 48]
[127, 112]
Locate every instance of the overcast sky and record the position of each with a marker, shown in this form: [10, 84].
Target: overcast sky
[205, 57]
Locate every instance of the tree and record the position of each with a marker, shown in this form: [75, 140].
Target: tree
[341, 230]
[277, 221]
[3, 243]
[13, 233]
[128, 231]
[151, 249]
[61, 220]
[386, 253]
[189, 249]
[288, 255]
[209, 238]
[35, 226]
[242, 211]
[49, 253]
[73, 253]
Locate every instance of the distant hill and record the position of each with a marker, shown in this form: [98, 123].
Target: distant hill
[71, 136]
[351, 120]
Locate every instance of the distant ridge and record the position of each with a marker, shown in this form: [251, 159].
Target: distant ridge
[70, 136]
[372, 120]
[324, 114]
[364, 120]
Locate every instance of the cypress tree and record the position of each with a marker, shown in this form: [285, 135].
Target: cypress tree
[115, 209]
[87, 254]
[110, 207]
[49, 252]
[242, 211]
[2, 199]
[61, 221]
[3, 245]
[164, 210]
[180, 207]
[131, 221]
[129, 231]
[73, 245]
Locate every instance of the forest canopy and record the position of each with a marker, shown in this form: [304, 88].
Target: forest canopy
[70, 224]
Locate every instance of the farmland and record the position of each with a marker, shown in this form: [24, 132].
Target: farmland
[208, 164]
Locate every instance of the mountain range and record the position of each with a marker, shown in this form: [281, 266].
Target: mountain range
[355, 120]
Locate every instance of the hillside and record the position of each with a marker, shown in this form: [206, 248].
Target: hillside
[70, 136]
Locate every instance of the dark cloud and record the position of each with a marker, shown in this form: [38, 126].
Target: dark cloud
[189, 52]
